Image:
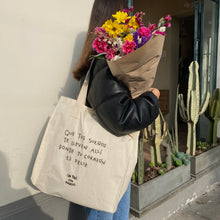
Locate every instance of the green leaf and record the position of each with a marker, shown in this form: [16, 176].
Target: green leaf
[151, 164]
[161, 172]
[99, 56]
[186, 162]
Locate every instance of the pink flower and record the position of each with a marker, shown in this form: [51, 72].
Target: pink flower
[168, 18]
[110, 53]
[99, 45]
[99, 30]
[168, 24]
[138, 18]
[128, 46]
[144, 32]
[152, 27]
[128, 10]
[160, 32]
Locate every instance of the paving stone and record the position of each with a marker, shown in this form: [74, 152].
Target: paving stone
[206, 207]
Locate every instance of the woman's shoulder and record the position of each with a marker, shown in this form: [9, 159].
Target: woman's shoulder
[102, 77]
[98, 65]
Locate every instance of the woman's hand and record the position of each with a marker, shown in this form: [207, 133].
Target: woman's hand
[156, 92]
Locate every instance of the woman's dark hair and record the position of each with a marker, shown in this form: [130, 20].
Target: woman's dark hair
[101, 11]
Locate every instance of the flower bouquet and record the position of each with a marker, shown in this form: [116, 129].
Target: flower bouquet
[132, 50]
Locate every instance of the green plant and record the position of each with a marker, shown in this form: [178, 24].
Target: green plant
[213, 114]
[138, 174]
[154, 134]
[159, 168]
[173, 138]
[193, 110]
[181, 158]
[202, 145]
[168, 154]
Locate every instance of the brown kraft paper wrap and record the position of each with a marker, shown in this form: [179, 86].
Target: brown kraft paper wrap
[137, 69]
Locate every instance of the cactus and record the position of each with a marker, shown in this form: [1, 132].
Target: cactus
[168, 153]
[193, 110]
[140, 163]
[154, 135]
[213, 114]
[173, 139]
[138, 174]
[179, 158]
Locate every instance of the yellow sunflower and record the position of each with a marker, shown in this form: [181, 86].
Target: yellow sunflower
[126, 28]
[121, 16]
[129, 37]
[133, 23]
[114, 29]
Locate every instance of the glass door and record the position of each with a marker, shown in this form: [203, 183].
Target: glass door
[205, 51]
[206, 42]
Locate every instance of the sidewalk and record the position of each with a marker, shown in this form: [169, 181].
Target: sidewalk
[206, 207]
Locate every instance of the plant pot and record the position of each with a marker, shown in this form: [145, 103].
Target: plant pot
[205, 160]
[157, 188]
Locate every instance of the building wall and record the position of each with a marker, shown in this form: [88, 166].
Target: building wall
[40, 42]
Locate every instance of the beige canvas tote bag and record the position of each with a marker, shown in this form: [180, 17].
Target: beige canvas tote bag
[80, 161]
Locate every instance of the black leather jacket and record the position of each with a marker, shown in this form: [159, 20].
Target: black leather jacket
[116, 110]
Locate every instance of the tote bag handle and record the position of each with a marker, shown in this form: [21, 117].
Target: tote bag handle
[81, 100]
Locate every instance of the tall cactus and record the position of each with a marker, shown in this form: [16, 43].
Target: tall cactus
[175, 140]
[138, 174]
[154, 135]
[193, 110]
[213, 114]
[140, 162]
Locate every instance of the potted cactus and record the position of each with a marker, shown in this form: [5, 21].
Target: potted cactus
[210, 150]
[171, 173]
[213, 114]
[190, 114]
[193, 109]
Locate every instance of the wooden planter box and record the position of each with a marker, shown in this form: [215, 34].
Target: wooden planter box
[205, 160]
[157, 188]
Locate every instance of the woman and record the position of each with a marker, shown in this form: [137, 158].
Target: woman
[111, 100]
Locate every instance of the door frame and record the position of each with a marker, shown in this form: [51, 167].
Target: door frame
[198, 38]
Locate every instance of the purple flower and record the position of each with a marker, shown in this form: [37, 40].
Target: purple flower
[135, 36]
[143, 40]
[140, 40]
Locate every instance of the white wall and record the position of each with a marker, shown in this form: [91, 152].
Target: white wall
[40, 42]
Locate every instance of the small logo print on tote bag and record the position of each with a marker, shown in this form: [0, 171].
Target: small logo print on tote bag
[71, 180]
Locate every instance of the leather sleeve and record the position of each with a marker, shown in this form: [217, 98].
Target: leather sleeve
[116, 110]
